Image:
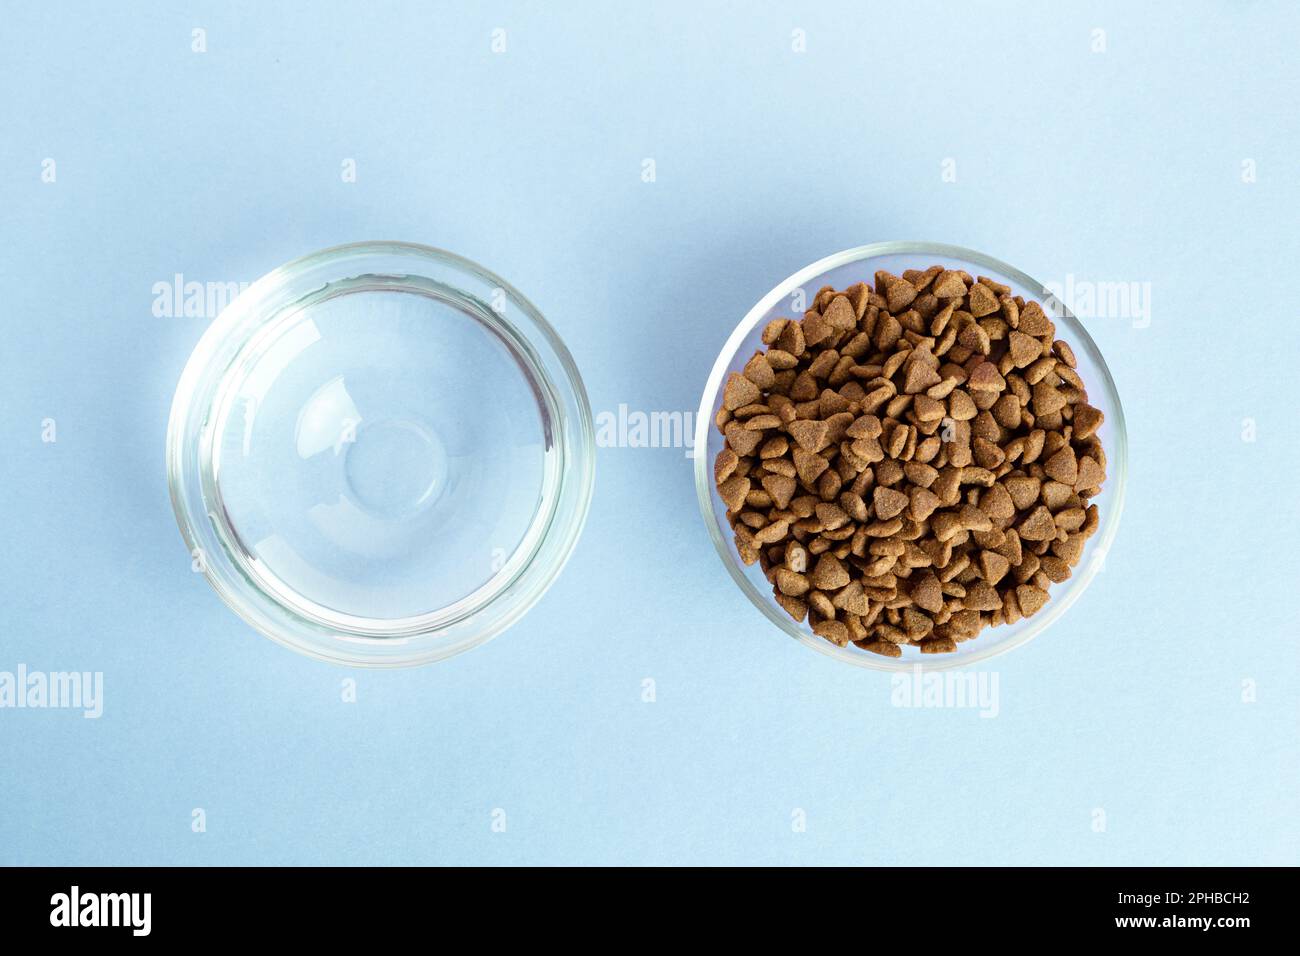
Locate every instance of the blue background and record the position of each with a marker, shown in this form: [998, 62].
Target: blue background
[1120, 165]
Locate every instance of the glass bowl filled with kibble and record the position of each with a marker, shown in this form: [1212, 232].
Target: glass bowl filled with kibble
[911, 453]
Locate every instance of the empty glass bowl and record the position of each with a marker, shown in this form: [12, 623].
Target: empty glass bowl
[380, 454]
[859, 265]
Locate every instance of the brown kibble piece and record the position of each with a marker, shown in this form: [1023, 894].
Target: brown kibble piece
[772, 533]
[961, 407]
[853, 599]
[1086, 421]
[841, 315]
[888, 502]
[1071, 549]
[974, 519]
[945, 525]
[834, 631]
[899, 293]
[920, 376]
[781, 360]
[781, 488]
[741, 439]
[759, 371]
[1034, 321]
[1091, 474]
[1039, 526]
[1062, 466]
[982, 301]
[975, 338]
[724, 465]
[832, 516]
[739, 392]
[993, 566]
[820, 605]
[867, 449]
[733, 492]
[1056, 569]
[884, 648]
[997, 503]
[920, 474]
[986, 378]
[1030, 598]
[865, 426]
[1047, 399]
[797, 608]
[981, 596]
[927, 409]
[811, 435]
[791, 583]
[816, 329]
[1025, 349]
[927, 594]
[1056, 495]
[809, 465]
[829, 574]
[949, 285]
[1023, 490]
[916, 624]
[772, 331]
[938, 645]
[792, 341]
[923, 503]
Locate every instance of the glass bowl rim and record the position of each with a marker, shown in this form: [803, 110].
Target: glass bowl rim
[573, 433]
[1116, 458]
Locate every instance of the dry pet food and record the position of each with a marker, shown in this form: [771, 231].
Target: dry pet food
[912, 461]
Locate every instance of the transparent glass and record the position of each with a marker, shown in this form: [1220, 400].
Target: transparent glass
[859, 265]
[380, 454]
